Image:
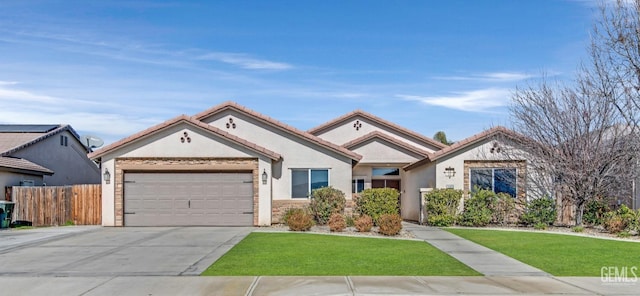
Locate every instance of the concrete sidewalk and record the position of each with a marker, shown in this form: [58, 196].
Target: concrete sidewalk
[481, 259]
[332, 285]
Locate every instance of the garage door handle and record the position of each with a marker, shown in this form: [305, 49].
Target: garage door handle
[189, 203]
[247, 212]
[129, 213]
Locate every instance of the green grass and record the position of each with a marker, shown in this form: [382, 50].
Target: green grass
[559, 255]
[316, 254]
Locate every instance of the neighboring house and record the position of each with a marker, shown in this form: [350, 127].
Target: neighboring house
[233, 166]
[37, 155]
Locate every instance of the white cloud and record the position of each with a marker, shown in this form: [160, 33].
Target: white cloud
[491, 76]
[3, 83]
[473, 101]
[245, 61]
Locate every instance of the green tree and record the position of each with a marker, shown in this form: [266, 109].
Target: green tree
[442, 138]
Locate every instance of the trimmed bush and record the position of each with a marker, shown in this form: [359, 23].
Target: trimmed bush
[325, 202]
[623, 219]
[443, 220]
[389, 224]
[364, 223]
[441, 206]
[349, 220]
[502, 208]
[375, 202]
[594, 212]
[477, 209]
[298, 220]
[539, 211]
[337, 223]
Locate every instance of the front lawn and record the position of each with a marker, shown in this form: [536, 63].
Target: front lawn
[559, 255]
[316, 254]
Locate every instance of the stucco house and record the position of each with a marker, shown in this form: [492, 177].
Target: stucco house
[36, 155]
[230, 165]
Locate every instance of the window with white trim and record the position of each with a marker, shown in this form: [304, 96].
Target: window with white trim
[304, 181]
[495, 179]
[357, 184]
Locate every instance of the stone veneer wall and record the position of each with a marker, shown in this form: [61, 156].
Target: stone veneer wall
[123, 165]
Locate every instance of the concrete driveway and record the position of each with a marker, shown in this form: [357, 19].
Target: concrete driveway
[122, 252]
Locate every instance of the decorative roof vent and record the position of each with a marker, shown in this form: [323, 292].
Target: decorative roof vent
[496, 148]
[357, 125]
[231, 124]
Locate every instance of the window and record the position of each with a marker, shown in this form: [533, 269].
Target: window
[386, 172]
[357, 185]
[304, 181]
[496, 180]
[64, 141]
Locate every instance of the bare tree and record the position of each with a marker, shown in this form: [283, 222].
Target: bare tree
[581, 138]
[576, 143]
[614, 68]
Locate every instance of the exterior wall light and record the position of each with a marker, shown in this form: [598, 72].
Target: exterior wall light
[449, 172]
[107, 176]
[264, 177]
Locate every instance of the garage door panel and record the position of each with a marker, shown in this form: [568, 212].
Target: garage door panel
[182, 199]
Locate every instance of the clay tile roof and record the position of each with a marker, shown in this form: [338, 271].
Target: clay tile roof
[387, 138]
[487, 134]
[16, 137]
[21, 164]
[190, 120]
[380, 121]
[277, 124]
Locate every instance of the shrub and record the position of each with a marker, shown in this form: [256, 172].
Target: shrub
[502, 208]
[477, 209]
[441, 220]
[390, 224]
[375, 202]
[621, 219]
[594, 212]
[441, 206]
[624, 234]
[298, 220]
[364, 223]
[325, 202]
[577, 229]
[337, 223]
[539, 210]
[349, 220]
[540, 226]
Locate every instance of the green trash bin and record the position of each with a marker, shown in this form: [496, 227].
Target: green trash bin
[6, 211]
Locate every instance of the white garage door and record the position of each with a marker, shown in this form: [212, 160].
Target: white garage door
[188, 199]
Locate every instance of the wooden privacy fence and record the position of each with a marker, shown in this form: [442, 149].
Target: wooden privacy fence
[56, 205]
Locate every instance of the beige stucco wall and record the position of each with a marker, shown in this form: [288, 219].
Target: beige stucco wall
[296, 153]
[377, 151]
[69, 163]
[421, 177]
[345, 132]
[480, 151]
[168, 144]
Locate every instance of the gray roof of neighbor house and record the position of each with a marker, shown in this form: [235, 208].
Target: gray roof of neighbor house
[14, 137]
[22, 165]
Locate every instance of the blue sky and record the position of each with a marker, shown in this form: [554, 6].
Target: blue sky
[112, 68]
